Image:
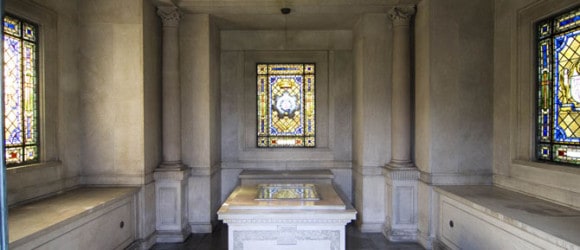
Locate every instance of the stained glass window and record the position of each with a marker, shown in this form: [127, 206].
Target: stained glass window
[558, 81]
[20, 91]
[286, 105]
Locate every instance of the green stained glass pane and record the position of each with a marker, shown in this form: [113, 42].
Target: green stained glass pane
[286, 105]
[20, 92]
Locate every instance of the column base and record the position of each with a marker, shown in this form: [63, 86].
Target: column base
[170, 166]
[397, 164]
[173, 236]
[401, 235]
[202, 228]
[401, 194]
[170, 200]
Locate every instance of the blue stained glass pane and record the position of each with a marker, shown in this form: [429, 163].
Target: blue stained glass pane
[569, 20]
[545, 56]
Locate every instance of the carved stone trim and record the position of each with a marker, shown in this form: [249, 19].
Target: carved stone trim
[286, 237]
[395, 173]
[170, 15]
[401, 15]
[293, 221]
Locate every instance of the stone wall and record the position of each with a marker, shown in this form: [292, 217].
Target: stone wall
[453, 100]
[113, 93]
[371, 123]
[514, 120]
[60, 128]
[331, 51]
[201, 119]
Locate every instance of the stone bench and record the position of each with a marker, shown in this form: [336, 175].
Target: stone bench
[488, 217]
[83, 218]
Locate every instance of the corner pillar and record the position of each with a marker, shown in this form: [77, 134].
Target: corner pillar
[171, 176]
[401, 175]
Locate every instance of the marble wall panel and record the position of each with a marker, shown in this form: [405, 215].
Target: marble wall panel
[372, 88]
[453, 102]
[112, 99]
[369, 198]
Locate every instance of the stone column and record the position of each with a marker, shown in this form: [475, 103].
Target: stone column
[400, 174]
[171, 175]
[171, 89]
[401, 94]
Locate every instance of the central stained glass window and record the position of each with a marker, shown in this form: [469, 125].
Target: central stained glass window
[286, 105]
[558, 81]
[20, 91]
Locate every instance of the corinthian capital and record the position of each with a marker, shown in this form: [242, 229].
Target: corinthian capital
[170, 15]
[401, 15]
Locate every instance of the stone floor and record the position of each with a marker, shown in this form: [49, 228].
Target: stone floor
[355, 240]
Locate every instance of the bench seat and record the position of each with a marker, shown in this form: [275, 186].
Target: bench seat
[75, 219]
[489, 217]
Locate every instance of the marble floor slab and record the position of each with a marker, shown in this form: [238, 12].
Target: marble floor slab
[355, 240]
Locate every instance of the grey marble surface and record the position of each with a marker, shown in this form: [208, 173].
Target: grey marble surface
[355, 240]
[522, 211]
[27, 221]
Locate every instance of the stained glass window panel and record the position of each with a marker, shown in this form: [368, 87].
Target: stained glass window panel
[20, 91]
[558, 84]
[286, 105]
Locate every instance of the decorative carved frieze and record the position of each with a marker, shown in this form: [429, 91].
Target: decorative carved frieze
[288, 237]
[340, 221]
[170, 15]
[401, 15]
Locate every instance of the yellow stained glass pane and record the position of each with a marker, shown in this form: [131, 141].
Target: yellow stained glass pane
[12, 26]
[286, 105]
[285, 69]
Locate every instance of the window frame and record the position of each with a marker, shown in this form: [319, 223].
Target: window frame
[545, 151]
[38, 117]
[515, 165]
[266, 142]
[48, 87]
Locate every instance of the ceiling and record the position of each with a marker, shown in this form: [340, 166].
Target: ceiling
[306, 14]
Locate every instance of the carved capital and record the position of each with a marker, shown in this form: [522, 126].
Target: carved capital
[401, 15]
[170, 15]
